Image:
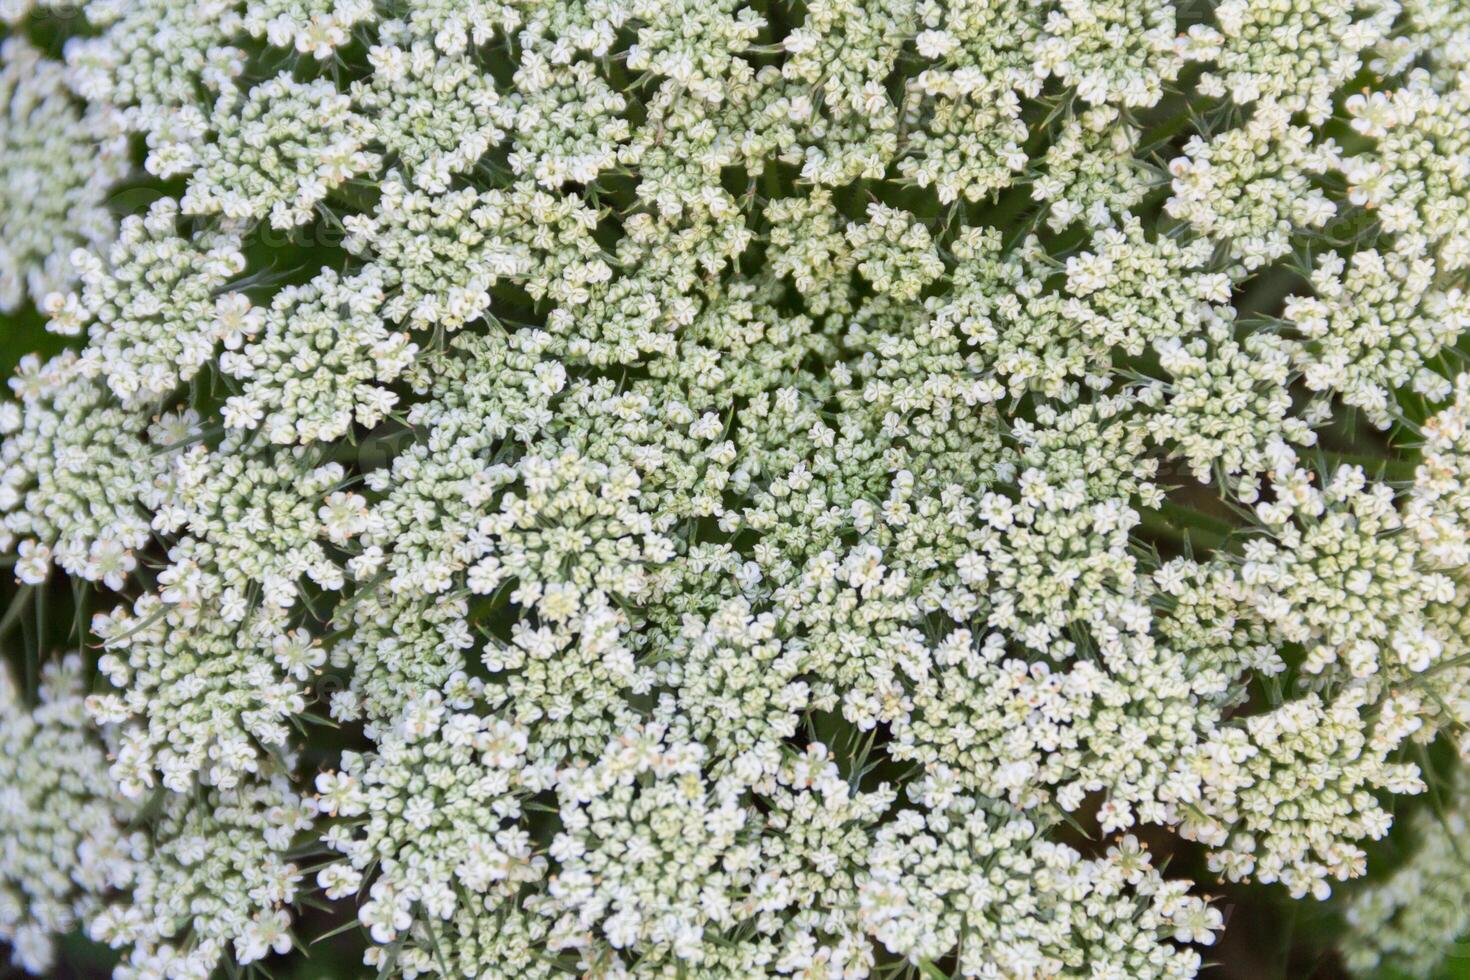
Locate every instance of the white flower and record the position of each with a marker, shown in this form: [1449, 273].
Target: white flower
[667, 434]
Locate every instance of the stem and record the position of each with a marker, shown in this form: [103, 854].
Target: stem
[1180, 523]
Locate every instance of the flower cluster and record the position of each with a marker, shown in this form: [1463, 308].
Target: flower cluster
[750, 489]
[59, 159]
[64, 834]
[1417, 918]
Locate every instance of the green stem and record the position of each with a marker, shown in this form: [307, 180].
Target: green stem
[1180, 523]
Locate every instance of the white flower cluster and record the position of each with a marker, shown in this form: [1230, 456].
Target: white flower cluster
[60, 160]
[216, 878]
[1295, 54]
[1417, 919]
[323, 360]
[655, 488]
[1019, 905]
[278, 152]
[63, 834]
